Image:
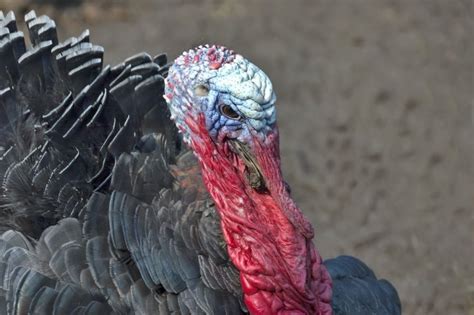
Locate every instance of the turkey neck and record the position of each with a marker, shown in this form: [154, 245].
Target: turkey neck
[268, 239]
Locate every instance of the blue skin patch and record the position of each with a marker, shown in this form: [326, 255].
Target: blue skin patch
[232, 80]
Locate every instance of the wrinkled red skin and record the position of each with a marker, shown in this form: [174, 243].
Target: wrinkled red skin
[268, 238]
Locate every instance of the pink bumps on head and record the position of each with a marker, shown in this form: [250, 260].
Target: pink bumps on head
[211, 56]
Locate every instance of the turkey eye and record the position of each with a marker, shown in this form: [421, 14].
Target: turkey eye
[227, 111]
[201, 90]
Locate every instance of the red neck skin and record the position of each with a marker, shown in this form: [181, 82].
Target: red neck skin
[268, 238]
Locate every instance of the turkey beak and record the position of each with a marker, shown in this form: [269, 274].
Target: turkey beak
[263, 171]
[253, 171]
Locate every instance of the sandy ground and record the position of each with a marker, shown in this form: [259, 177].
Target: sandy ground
[375, 113]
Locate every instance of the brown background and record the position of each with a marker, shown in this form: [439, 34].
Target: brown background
[375, 113]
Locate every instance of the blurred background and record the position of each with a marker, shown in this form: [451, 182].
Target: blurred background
[375, 115]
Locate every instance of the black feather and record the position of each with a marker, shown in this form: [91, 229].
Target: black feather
[356, 289]
[102, 209]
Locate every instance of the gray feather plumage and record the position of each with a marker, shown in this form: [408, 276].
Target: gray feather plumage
[94, 219]
[96, 213]
[356, 289]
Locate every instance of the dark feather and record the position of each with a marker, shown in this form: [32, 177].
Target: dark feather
[102, 209]
[356, 289]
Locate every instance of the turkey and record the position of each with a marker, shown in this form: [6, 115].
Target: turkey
[153, 188]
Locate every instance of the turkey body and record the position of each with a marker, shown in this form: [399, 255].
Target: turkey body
[102, 206]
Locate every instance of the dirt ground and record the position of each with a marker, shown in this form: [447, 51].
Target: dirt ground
[375, 114]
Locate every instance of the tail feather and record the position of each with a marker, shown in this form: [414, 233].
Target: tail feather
[53, 102]
[106, 222]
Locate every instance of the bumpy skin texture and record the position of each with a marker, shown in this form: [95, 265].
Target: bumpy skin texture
[231, 80]
[268, 238]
